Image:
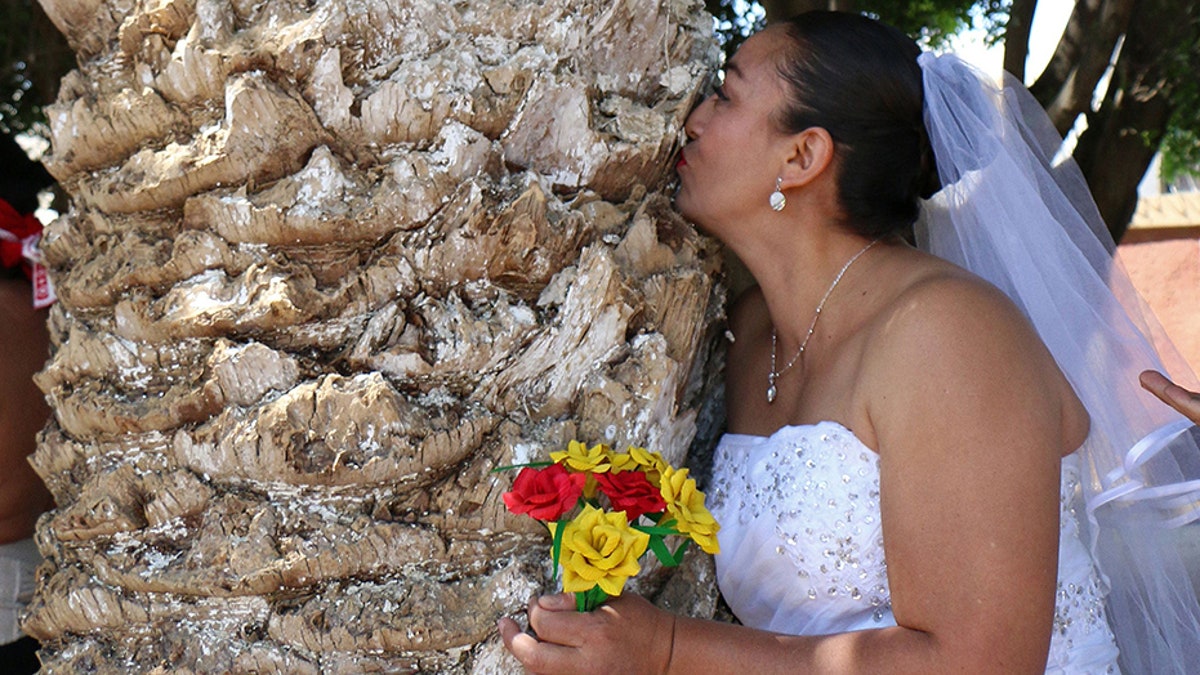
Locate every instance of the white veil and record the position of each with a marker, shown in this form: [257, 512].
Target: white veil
[1019, 215]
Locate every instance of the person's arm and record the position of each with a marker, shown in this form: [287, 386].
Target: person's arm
[1186, 402]
[23, 410]
[967, 412]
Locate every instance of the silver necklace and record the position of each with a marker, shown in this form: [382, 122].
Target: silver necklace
[774, 375]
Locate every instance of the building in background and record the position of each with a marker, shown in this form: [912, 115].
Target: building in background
[1161, 252]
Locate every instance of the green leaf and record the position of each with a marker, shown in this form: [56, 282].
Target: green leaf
[662, 552]
[534, 465]
[586, 601]
[556, 549]
[678, 557]
[653, 530]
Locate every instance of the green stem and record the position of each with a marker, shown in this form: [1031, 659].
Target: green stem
[586, 601]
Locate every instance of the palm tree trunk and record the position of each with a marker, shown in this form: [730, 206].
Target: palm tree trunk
[327, 265]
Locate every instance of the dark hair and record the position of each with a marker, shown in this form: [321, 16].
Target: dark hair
[858, 78]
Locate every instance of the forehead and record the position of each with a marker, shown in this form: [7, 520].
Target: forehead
[756, 60]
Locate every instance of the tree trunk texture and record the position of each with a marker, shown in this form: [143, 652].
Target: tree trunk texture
[1124, 133]
[1016, 36]
[1068, 85]
[328, 264]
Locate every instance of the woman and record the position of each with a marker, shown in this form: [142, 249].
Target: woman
[23, 496]
[883, 403]
[23, 410]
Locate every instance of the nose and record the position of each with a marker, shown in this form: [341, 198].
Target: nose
[695, 119]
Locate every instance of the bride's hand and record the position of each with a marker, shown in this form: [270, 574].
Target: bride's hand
[627, 634]
[1186, 402]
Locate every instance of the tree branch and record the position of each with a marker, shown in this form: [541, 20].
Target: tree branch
[1090, 38]
[1066, 53]
[1016, 36]
[1123, 135]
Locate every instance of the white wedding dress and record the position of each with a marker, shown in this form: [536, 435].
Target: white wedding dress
[802, 544]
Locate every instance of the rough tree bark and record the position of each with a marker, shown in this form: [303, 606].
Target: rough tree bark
[328, 263]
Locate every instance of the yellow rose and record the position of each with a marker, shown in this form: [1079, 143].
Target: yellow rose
[686, 504]
[578, 457]
[600, 548]
[641, 459]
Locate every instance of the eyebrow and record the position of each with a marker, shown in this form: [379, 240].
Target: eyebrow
[732, 67]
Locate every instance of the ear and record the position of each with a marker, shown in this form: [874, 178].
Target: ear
[810, 153]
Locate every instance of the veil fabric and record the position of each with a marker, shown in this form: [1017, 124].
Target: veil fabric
[1016, 211]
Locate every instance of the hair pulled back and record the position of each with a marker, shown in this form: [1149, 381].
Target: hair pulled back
[858, 79]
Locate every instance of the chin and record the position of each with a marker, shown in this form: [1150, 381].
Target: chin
[685, 207]
[694, 216]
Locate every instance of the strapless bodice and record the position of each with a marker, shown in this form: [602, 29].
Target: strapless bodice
[802, 548]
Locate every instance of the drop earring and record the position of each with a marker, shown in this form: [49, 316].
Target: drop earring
[778, 199]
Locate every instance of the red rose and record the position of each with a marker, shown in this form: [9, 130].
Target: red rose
[545, 494]
[629, 491]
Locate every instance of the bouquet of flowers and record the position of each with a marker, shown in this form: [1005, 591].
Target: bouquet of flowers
[605, 509]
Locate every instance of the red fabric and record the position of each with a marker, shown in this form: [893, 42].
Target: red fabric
[21, 227]
[19, 237]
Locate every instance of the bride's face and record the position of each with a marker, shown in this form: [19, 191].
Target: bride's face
[734, 153]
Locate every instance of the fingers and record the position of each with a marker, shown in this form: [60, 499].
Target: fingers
[549, 618]
[1154, 382]
[536, 656]
[1168, 392]
[509, 631]
[600, 641]
[561, 602]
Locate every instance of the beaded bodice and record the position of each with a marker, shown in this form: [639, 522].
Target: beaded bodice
[802, 543]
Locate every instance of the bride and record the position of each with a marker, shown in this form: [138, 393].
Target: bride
[902, 486]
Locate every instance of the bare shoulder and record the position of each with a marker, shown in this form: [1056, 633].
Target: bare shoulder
[947, 310]
[958, 347]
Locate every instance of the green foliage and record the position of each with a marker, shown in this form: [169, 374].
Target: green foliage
[1180, 152]
[934, 22]
[1181, 144]
[33, 57]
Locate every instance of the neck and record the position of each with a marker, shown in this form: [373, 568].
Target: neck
[795, 276]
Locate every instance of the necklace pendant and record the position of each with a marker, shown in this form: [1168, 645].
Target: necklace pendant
[773, 375]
